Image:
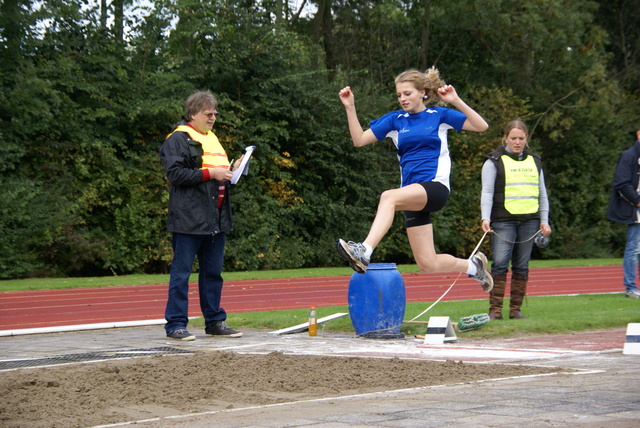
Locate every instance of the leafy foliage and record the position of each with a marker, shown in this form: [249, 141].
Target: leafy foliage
[84, 111]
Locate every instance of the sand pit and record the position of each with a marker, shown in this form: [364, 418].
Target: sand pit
[81, 395]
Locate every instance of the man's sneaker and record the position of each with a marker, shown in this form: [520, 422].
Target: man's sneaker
[353, 253]
[222, 329]
[634, 294]
[181, 334]
[482, 275]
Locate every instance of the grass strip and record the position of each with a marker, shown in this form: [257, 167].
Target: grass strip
[546, 315]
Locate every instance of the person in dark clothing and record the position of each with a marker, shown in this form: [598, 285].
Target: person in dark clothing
[623, 208]
[199, 216]
[515, 207]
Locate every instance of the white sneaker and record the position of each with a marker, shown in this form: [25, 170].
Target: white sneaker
[634, 294]
[353, 253]
[482, 276]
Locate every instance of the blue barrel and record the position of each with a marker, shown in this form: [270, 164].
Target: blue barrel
[377, 302]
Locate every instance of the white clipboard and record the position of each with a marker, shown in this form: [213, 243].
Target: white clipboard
[248, 151]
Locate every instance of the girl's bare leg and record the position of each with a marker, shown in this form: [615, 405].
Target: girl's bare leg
[421, 240]
[411, 198]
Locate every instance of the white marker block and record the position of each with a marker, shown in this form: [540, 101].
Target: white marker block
[632, 340]
[439, 330]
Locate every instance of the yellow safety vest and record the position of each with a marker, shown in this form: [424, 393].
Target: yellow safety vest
[521, 190]
[214, 155]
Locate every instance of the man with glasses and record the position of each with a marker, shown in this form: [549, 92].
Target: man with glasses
[199, 216]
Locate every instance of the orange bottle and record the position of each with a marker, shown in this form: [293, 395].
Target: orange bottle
[313, 322]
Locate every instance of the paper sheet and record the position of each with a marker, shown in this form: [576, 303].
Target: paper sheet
[243, 165]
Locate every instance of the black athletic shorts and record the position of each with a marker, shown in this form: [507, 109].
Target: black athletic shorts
[437, 197]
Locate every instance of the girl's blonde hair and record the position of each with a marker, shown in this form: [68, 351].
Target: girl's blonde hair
[515, 124]
[429, 81]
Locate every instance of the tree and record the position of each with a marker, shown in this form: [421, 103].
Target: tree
[85, 110]
[621, 19]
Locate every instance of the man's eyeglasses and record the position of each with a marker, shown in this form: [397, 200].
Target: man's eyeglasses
[210, 115]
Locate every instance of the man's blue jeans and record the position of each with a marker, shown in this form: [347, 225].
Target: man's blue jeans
[210, 253]
[512, 242]
[631, 257]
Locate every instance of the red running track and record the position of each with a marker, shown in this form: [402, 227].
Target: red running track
[55, 308]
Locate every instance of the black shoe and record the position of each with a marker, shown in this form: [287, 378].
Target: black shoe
[181, 334]
[222, 329]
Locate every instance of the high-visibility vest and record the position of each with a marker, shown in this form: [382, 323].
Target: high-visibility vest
[522, 181]
[214, 155]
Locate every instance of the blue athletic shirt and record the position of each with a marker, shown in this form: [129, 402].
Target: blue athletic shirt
[421, 140]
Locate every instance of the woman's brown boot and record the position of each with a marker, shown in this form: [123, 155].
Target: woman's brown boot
[518, 291]
[497, 296]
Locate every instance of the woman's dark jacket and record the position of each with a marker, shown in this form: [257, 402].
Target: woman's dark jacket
[193, 203]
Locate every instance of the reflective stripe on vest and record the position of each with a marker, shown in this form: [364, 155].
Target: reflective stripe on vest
[521, 190]
[214, 155]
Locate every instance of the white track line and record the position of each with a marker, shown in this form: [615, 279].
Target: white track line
[80, 327]
[319, 400]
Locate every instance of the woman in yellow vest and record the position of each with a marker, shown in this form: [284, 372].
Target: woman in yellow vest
[514, 207]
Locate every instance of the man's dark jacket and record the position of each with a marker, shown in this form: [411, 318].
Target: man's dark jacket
[193, 204]
[624, 195]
